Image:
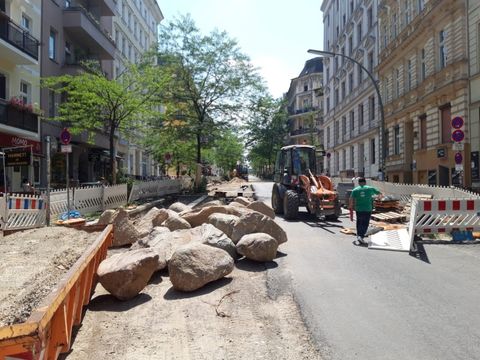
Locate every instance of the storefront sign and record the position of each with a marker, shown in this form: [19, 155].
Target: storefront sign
[7, 140]
[18, 157]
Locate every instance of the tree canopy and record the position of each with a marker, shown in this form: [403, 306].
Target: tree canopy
[214, 81]
[122, 106]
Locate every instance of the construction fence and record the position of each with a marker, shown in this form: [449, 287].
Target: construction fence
[22, 211]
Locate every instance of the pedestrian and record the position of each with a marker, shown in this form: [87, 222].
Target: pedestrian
[361, 200]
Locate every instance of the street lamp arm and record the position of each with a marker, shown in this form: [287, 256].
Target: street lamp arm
[380, 102]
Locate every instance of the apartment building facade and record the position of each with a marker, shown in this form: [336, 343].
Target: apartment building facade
[351, 121]
[20, 27]
[473, 23]
[423, 72]
[305, 107]
[135, 29]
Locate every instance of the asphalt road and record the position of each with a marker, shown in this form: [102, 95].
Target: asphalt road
[373, 304]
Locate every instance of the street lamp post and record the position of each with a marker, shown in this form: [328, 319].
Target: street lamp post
[380, 103]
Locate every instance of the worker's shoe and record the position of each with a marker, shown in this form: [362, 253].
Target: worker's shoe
[360, 240]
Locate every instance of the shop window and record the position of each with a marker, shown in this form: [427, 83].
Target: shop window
[36, 171]
[3, 86]
[423, 131]
[432, 177]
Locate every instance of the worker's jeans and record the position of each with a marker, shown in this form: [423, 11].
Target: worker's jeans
[363, 218]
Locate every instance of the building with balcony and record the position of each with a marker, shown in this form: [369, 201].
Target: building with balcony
[473, 47]
[135, 29]
[351, 111]
[20, 22]
[74, 31]
[423, 71]
[305, 107]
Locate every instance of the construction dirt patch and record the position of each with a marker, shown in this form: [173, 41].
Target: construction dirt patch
[32, 263]
[232, 318]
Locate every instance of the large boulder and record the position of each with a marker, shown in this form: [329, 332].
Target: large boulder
[145, 225]
[175, 222]
[194, 265]
[179, 207]
[144, 241]
[256, 222]
[258, 247]
[242, 200]
[125, 275]
[209, 203]
[199, 217]
[107, 217]
[263, 208]
[162, 215]
[217, 238]
[169, 242]
[223, 222]
[124, 232]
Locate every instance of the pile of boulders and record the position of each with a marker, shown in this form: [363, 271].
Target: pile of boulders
[197, 245]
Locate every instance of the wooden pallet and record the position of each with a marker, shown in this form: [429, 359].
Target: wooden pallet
[389, 217]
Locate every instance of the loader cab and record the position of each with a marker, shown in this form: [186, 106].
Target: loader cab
[293, 161]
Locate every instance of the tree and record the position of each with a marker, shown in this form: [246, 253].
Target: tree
[122, 106]
[266, 132]
[213, 77]
[227, 151]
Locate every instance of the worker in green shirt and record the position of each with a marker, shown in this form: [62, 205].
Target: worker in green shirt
[361, 200]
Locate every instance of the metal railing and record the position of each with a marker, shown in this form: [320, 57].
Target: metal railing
[17, 36]
[21, 119]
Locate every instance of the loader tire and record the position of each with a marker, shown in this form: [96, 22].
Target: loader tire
[338, 212]
[277, 205]
[290, 205]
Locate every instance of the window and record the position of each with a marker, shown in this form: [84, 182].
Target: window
[442, 48]
[352, 121]
[397, 82]
[350, 82]
[394, 27]
[360, 114]
[3, 86]
[371, 107]
[352, 157]
[52, 45]
[124, 46]
[351, 7]
[396, 140]
[372, 151]
[359, 33]
[51, 103]
[328, 104]
[446, 123]
[305, 87]
[328, 137]
[370, 17]
[359, 75]
[344, 126]
[25, 92]
[370, 61]
[407, 12]
[36, 171]
[350, 45]
[409, 75]
[423, 131]
[343, 90]
[385, 36]
[387, 143]
[421, 5]
[26, 23]
[423, 70]
[336, 97]
[344, 159]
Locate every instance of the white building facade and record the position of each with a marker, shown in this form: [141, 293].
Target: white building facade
[351, 111]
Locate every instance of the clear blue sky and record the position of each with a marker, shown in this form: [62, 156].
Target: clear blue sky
[274, 34]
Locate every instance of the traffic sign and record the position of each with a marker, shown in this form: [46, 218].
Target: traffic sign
[458, 135]
[65, 136]
[458, 158]
[457, 122]
[458, 146]
[66, 148]
[458, 167]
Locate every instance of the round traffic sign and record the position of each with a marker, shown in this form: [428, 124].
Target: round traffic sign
[328, 155]
[457, 122]
[458, 135]
[458, 158]
[65, 136]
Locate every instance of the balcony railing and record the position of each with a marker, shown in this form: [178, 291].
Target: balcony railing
[301, 131]
[17, 118]
[18, 37]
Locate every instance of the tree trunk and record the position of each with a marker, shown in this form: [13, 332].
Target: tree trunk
[113, 161]
[198, 171]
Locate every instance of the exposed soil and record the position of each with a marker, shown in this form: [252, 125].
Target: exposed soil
[32, 263]
[232, 318]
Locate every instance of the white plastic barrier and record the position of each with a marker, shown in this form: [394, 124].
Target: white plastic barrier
[21, 212]
[431, 217]
[154, 189]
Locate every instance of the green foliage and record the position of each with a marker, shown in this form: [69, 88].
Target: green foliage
[94, 103]
[266, 133]
[214, 81]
